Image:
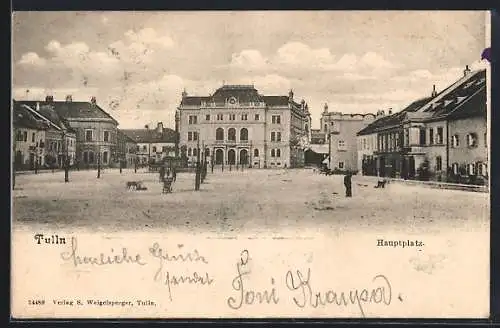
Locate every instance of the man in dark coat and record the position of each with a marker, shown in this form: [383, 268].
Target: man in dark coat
[348, 184]
[162, 173]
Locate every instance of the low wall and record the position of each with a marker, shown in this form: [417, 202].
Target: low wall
[428, 184]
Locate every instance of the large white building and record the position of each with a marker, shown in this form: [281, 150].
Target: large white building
[238, 126]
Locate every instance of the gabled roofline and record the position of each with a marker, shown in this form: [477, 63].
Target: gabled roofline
[41, 116]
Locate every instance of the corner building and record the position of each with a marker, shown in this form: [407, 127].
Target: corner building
[238, 126]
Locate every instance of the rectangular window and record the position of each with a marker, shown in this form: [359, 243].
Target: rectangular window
[439, 163]
[190, 136]
[105, 157]
[193, 119]
[195, 136]
[232, 117]
[106, 136]
[164, 149]
[33, 137]
[257, 117]
[341, 144]
[25, 136]
[406, 137]
[472, 140]
[278, 152]
[485, 140]
[439, 139]
[273, 136]
[244, 117]
[431, 136]
[423, 140]
[455, 141]
[341, 165]
[276, 119]
[278, 136]
[89, 135]
[220, 117]
[207, 117]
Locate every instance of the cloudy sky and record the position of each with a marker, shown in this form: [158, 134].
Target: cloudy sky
[138, 63]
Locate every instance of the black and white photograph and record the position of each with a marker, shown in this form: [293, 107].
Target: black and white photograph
[233, 164]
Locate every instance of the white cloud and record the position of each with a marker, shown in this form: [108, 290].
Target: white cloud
[298, 54]
[249, 59]
[32, 58]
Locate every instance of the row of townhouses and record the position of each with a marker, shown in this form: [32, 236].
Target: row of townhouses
[47, 132]
[441, 137]
[238, 126]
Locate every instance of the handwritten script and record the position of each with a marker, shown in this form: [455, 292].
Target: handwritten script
[297, 286]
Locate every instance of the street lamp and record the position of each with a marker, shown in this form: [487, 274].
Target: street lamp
[66, 157]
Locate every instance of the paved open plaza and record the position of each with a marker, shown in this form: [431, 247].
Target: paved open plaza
[277, 202]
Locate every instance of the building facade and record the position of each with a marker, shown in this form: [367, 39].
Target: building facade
[126, 149]
[60, 137]
[29, 139]
[341, 132]
[442, 137]
[94, 128]
[238, 126]
[153, 144]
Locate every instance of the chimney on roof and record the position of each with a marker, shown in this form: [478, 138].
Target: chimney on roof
[325, 108]
[466, 70]
[290, 95]
[49, 99]
[93, 101]
[37, 106]
[159, 127]
[390, 111]
[184, 94]
[69, 98]
[434, 92]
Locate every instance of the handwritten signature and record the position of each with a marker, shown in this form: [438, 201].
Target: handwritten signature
[381, 293]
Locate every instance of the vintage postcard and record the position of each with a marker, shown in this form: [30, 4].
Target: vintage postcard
[247, 164]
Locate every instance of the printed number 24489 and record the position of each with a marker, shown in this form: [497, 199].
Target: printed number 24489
[36, 302]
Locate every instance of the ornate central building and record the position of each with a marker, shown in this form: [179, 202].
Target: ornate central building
[238, 126]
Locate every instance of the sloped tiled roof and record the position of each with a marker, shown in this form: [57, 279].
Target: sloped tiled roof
[124, 136]
[22, 117]
[277, 101]
[472, 107]
[457, 94]
[150, 135]
[243, 93]
[73, 109]
[393, 119]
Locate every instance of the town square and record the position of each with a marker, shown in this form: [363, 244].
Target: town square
[250, 164]
[244, 152]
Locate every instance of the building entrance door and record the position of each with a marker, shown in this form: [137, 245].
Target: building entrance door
[231, 157]
[244, 157]
[219, 157]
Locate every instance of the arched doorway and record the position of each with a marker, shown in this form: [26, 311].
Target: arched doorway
[244, 157]
[231, 157]
[219, 156]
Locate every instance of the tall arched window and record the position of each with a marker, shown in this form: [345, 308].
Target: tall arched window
[255, 152]
[231, 134]
[189, 151]
[219, 134]
[244, 134]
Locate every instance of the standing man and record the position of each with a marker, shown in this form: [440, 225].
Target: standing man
[348, 184]
[162, 172]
